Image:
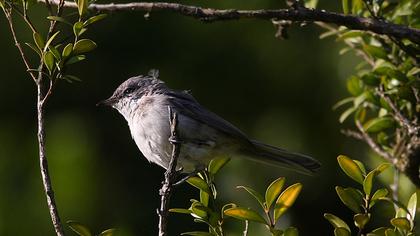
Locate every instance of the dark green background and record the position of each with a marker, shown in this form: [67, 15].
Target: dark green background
[278, 91]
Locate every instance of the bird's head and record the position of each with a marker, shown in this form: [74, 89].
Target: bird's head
[131, 90]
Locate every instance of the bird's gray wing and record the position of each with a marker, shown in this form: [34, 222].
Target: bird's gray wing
[185, 104]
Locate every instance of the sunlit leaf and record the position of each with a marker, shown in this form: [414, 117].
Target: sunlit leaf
[83, 46]
[391, 232]
[350, 168]
[94, 19]
[109, 232]
[379, 124]
[380, 193]
[360, 220]
[286, 200]
[180, 210]
[67, 50]
[199, 183]
[47, 44]
[82, 7]
[216, 164]
[204, 198]
[345, 4]
[244, 214]
[39, 41]
[311, 3]
[401, 223]
[412, 206]
[336, 221]
[354, 86]
[75, 59]
[49, 61]
[273, 191]
[79, 228]
[378, 232]
[346, 114]
[255, 194]
[59, 19]
[341, 232]
[77, 27]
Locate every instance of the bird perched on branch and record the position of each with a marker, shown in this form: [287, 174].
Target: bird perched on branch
[144, 102]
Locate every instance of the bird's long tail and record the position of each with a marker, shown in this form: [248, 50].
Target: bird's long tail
[268, 154]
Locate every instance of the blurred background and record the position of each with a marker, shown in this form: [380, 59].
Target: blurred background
[278, 91]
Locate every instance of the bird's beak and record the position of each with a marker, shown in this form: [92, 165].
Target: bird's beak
[107, 102]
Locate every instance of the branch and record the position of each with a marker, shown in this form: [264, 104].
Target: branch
[296, 14]
[43, 163]
[170, 175]
[8, 15]
[375, 146]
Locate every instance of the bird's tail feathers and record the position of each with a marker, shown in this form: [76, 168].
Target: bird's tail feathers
[268, 154]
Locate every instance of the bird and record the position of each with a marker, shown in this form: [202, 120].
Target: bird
[144, 101]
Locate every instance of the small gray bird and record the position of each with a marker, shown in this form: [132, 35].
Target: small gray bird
[144, 102]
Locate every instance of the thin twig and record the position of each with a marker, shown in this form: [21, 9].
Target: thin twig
[19, 47]
[170, 175]
[295, 14]
[374, 145]
[404, 121]
[395, 186]
[245, 232]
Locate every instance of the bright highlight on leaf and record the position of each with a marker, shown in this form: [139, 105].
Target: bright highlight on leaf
[350, 168]
[199, 183]
[273, 191]
[286, 200]
[244, 214]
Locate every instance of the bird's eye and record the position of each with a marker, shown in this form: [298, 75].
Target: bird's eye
[128, 91]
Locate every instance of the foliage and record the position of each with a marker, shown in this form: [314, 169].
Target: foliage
[362, 199]
[83, 230]
[384, 93]
[274, 204]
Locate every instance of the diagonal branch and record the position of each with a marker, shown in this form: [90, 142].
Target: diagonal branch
[295, 14]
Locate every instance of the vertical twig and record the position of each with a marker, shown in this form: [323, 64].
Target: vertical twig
[245, 233]
[43, 163]
[395, 186]
[170, 175]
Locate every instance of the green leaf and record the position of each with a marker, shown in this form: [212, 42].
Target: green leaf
[79, 228]
[379, 124]
[412, 206]
[216, 164]
[376, 52]
[361, 166]
[77, 28]
[380, 193]
[75, 59]
[55, 52]
[255, 194]
[345, 4]
[346, 114]
[336, 221]
[49, 61]
[109, 232]
[343, 102]
[378, 232]
[354, 86]
[82, 7]
[391, 232]
[350, 168]
[401, 223]
[94, 19]
[360, 220]
[204, 198]
[371, 79]
[83, 46]
[68, 49]
[197, 233]
[71, 78]
[59, 19]
[351, 34]
[180, 210]
[273, 191]
[291, 231]
[357, 6]
[368, 182]
[286, 200]
[38, 41]
[244, 214]
[341, 232]
[199, 183]
[47, 44]
[199, 210]
[350, 198]
[311, 3]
